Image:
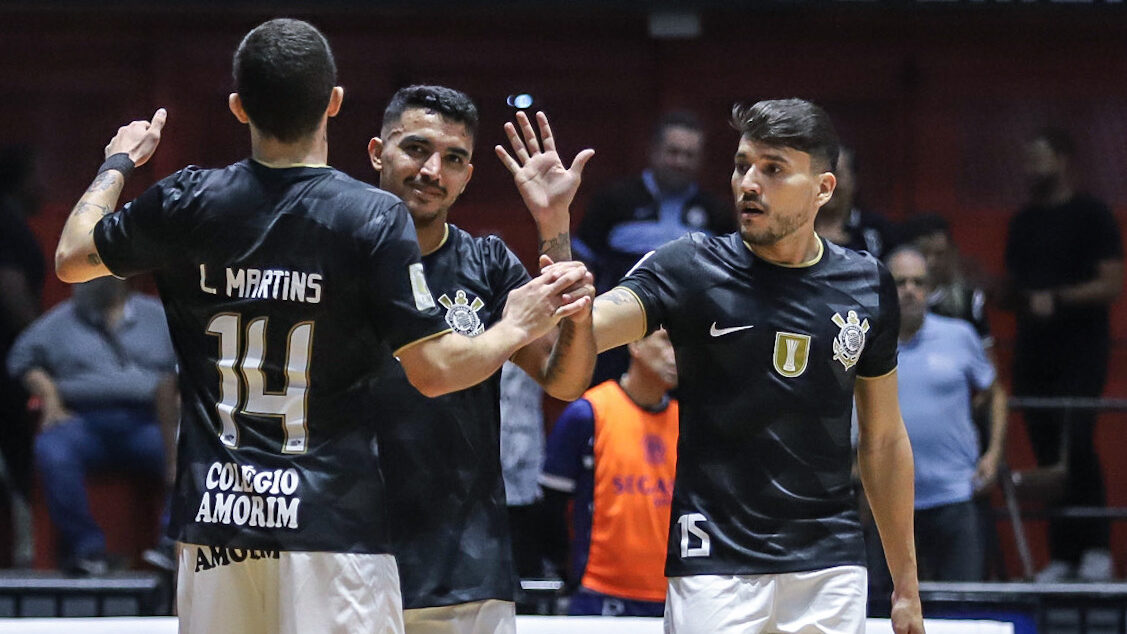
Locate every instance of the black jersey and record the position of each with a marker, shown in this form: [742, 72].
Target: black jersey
[441, 457]
[767, 357]
[281, 288]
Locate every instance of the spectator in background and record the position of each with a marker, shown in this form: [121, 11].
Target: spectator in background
[840, 220]
[641, 213]
[100, 363]
[615, 451]
[522, 455]
[942, 365]
[21, 283]
[1064, 262]
[952, 294]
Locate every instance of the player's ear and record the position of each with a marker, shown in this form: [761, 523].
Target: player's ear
[375, 153]
[827, 182]
[469, 175]
[335, 99]
[235, 104]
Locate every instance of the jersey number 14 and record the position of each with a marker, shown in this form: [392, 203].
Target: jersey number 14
[290, 405]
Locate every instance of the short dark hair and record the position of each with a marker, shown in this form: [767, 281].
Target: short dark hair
[793, 123]
[284, 74]
[675, 119]
[1059, 140]
[924, 224]
[452, 104]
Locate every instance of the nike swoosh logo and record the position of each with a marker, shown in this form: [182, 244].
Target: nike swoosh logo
[720, 332]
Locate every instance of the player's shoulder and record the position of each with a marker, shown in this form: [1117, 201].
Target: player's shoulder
[845, 259]
[697, 243]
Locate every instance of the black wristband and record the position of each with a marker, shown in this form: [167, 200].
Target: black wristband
[120, 162]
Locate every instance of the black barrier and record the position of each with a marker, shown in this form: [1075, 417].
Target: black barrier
[51, 594]
[1053, 608]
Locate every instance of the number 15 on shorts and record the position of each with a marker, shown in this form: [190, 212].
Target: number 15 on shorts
[694, 541]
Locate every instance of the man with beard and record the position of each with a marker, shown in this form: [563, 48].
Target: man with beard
[776, 332]
[441, 457]
[1064, 261]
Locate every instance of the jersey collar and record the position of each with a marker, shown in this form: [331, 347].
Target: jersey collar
[801, 265]
[441, 243]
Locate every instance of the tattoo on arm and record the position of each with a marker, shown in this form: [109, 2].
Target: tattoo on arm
[618, 297]
[84, 207]
[557, 246]
[559, 350]
[104, 181]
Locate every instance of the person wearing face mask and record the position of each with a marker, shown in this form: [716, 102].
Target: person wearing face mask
[101, 364]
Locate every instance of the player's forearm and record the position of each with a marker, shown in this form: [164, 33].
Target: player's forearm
[76, 258]
[569, 367]
[453, 362]
[886, 464]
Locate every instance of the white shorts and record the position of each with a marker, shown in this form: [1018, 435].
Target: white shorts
[477, 617]
[238, 591]
[829, 601]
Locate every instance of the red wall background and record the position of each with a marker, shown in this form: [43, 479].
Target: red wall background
[936, 100]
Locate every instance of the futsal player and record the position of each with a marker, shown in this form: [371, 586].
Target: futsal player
[441, 457]
[776, 331]
[282, 280]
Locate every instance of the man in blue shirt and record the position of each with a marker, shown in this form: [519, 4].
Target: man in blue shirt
[101, 364]
[942, 365]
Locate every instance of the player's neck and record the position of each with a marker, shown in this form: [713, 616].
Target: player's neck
[647, 394]
[309, 151]
[432, 236]
[800, 248]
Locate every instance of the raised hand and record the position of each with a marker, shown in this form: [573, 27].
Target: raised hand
[541, 178]
[138, 139]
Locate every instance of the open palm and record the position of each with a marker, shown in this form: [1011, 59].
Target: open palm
[540, 176]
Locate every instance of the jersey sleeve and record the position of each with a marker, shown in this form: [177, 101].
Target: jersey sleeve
[571, 435]
[142, 236]
[505, 271]
[980, 372]
[403, 308]
[879, 355]
[657, 280]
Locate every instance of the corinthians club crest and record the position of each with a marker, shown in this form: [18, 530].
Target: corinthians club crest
[850, 340]
[461, 314]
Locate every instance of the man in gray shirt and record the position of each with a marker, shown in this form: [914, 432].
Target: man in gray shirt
[101, 364]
